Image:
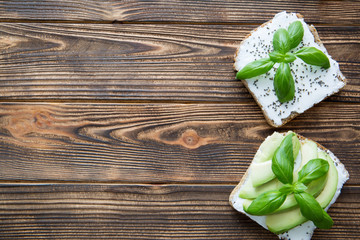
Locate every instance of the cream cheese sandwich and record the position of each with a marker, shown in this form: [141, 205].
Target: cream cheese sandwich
[311, 83]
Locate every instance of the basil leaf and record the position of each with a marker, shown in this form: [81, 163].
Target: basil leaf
[283, 160]
[326, 223]
[266, 203]
[255, 68]
[289, 57]
[299, 187]
[312, 170]
[281, 41]
[287, 189]
[296, 32]
[309, 207]
[276, 56]
[284, 83]
[313, 56]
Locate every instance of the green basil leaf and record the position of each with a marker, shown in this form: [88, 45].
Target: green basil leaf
[312, 170]
[326, 223]
[289, 57]
[287, 189]
[309, 207]
[284, 83]
[283, 160]
[266, 203]
[313, 56]
[276, 56]
[296, 32]
[299, 187]
[281, 41]
[255, 68]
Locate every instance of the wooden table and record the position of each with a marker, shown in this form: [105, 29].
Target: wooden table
[123, 119]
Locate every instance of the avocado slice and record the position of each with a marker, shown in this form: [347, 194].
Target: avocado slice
[248, 191]
[309, 150]
[296, 146]
[261, 173]
[267, 148]
[286, 220]
[330, 188]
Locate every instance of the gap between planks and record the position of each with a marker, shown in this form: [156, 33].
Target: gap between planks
[150, 101]
[125, 101]
[157, 22]
[115, 183]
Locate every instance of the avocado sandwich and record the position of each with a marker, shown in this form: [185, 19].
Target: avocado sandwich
[289, 186]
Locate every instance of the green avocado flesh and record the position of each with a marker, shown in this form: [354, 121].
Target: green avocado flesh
[309, 150]
[266, 150]
[266, 173]
[324, 198]
[261, 179]
[247, 191]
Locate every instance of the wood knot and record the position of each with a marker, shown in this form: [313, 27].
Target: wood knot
[42, 120]
[190, 138]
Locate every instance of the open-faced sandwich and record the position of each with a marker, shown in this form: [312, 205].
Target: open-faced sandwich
[289, 186]
[286, 68]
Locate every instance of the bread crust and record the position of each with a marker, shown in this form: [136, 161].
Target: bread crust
[293, 114]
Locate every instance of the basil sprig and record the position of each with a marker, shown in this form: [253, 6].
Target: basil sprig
[283, 41]
[283, 167]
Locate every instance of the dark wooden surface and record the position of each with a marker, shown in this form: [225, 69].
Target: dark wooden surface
[150, 62]
[123, 119]
[195, 11]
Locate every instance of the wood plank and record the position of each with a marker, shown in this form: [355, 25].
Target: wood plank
[88, 211]
[233, 11]
[141, 62]
[156, 143]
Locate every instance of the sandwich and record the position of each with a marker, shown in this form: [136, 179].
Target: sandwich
[286, 68]
[289, 186]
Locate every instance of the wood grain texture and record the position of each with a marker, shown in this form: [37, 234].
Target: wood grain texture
[133, 62]
[233, 11]
[83, 211]
[134, 163]
[156, 143]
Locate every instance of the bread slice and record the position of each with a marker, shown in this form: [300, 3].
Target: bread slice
[305, 230]
[312, 83]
